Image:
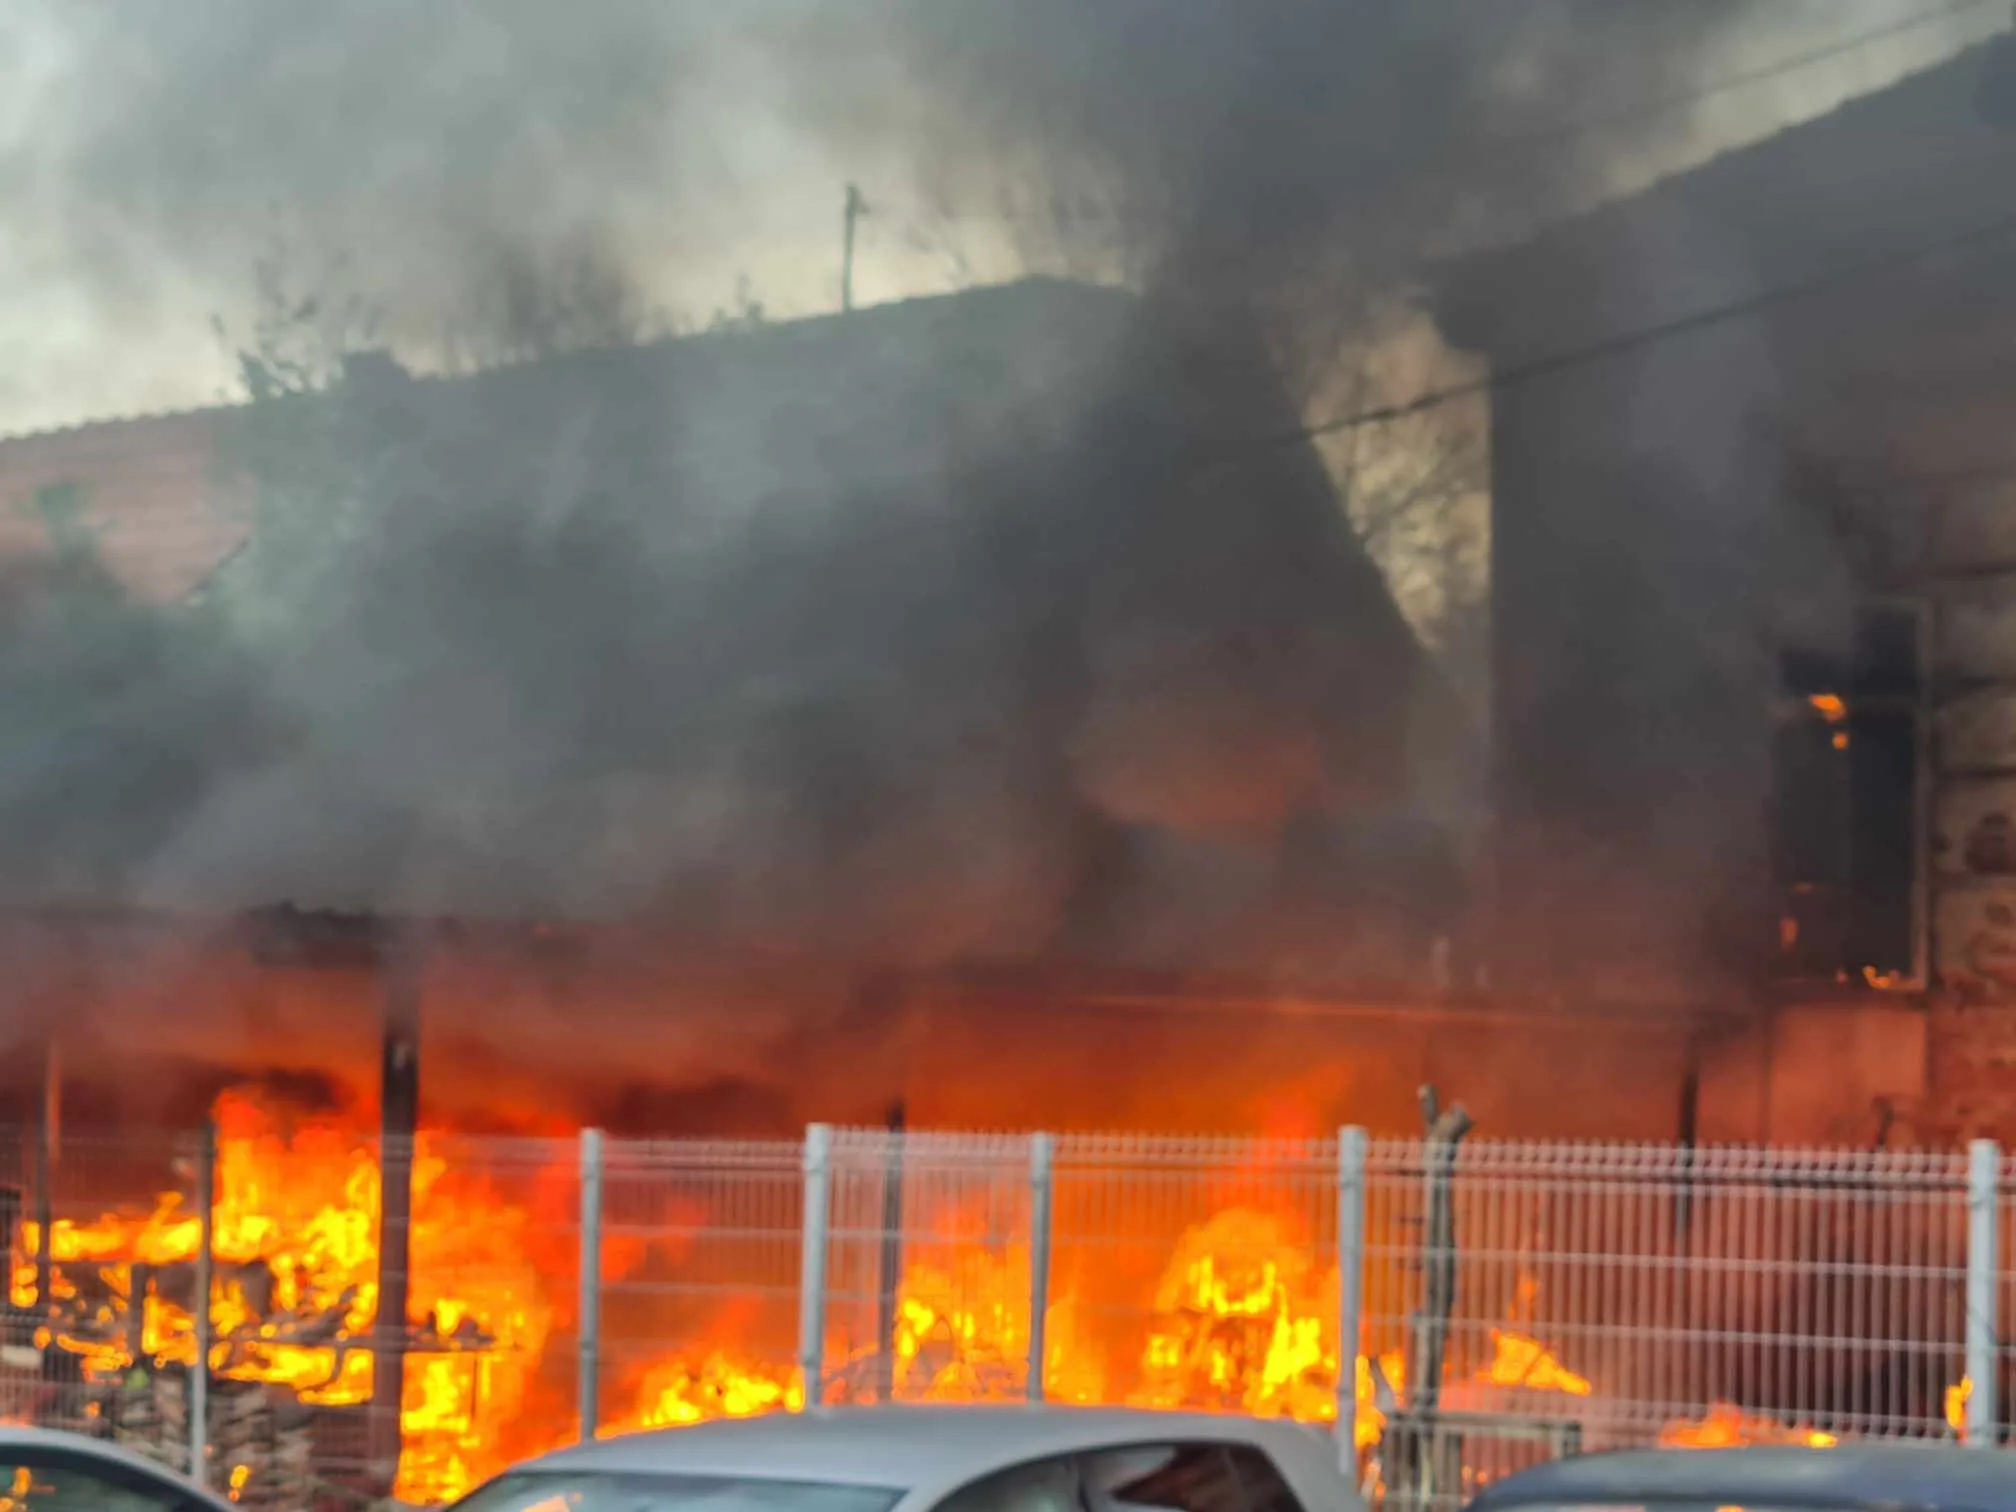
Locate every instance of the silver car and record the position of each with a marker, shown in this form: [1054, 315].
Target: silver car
[941, 1459]
[45, 1471]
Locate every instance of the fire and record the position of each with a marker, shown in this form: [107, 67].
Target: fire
[1521, 1360]
[1242, 1316]
[1726, 1426]
[294, 1292]
[673, 1394]
[1957, 1396]
[1240, 1322]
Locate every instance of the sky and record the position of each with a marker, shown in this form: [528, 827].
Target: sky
[151, 153]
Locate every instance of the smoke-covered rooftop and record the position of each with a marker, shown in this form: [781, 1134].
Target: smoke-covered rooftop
[972, 626]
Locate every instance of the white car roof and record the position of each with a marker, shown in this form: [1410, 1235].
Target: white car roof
[917, 1448]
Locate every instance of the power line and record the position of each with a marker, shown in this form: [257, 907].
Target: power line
[1762, 74]
[1631, 340]
[1590, 125]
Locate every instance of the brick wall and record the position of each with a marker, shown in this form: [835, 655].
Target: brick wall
[166, 517]
[1971, 1072]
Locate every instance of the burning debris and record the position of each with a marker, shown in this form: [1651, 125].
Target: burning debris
[294, 1290]
[1240, 1315]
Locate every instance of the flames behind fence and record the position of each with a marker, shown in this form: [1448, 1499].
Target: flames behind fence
[1603, 1295]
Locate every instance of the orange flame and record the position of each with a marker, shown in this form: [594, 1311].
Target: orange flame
[1521, 1360]
[1242, 1316]
[295, 1293]
[1957, 1396]
[1726, 1426]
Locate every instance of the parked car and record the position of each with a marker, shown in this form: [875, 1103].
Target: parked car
[1849, 1477]
[940, 1459]
[45, 1471]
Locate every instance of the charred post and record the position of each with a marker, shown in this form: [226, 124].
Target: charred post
[401, 963]
[1428, 1463]
[890, 1271]
[46, 1136]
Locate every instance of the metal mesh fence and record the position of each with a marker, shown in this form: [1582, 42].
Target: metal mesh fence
[1197, 1273]
[1600, 1296]
[102, 1245]
[929, 1271]
[700, 1249]
[493, 1247]
[1511, 1302]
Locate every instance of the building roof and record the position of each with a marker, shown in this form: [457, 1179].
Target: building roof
[1835, 1479]
[1887, 173]
[742, 624]
[919, 1448]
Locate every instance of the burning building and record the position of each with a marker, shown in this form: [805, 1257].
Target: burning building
[804, 713]
[1752, 594]
[941, 634]
[713, 734]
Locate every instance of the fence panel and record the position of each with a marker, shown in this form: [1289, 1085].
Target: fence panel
[102, 1243]
[494, 1254]
[1975, 1414]
[1597, 1295]
[1195, 1273]
[1635, 1294]
[700, 1246]
[928, 1268]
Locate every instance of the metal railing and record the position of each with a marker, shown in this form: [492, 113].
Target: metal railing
[1454, 1310]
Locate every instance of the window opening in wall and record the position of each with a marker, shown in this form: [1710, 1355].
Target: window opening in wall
[1848, 822]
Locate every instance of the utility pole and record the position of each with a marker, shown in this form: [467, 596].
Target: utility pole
[856, 208]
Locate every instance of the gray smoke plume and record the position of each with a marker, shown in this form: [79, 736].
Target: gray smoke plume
[1287, 162]
[1060, 729]
[1244, 152]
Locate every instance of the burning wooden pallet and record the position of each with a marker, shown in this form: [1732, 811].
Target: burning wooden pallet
[286, 1403]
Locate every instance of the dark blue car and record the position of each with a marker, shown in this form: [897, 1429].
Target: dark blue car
[1870, 1477]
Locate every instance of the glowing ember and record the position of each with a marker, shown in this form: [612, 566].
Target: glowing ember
[1726, 1426]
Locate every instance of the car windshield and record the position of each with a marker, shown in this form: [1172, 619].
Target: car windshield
[638, 1491]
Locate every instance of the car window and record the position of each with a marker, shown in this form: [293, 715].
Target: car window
[1181, 1477]
[1188, 1478]
[44, 1482]
[1266, 1488]
[1047, 1485]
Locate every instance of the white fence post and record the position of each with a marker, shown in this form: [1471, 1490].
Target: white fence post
[590, 1360]
[1042, 1165]
[812, 1262]
[1984, 1216]
[1352, 1146]
[206, 1252]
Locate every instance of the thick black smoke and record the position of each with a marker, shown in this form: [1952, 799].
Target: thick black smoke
[1287, 161]
[1269, 165]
